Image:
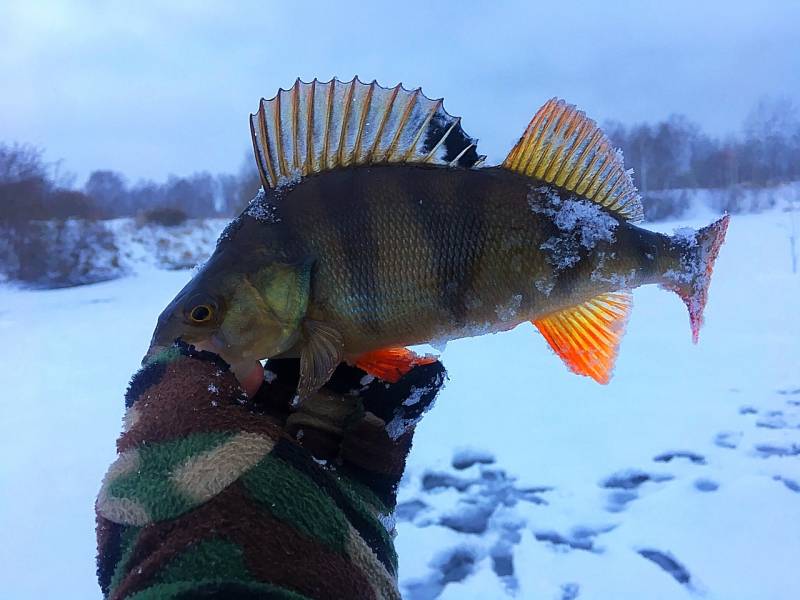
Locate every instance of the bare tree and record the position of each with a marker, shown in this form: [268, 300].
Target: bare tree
[110, 191]
[772, 129]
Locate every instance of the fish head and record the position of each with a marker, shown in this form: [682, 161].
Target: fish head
[242, 314]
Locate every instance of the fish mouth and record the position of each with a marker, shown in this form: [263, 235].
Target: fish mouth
[249, 373]
[152, 351]
[212, 345]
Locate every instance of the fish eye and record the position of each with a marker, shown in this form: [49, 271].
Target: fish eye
[201, 313]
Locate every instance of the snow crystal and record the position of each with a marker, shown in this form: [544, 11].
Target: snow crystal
[545, 286]
[402, 421]
[506, 312]
[619, 281]
[262, 210]
[562, 252]
[213, 389]
[692, 266]
[588, 220]
[581, 223]
[685, 236]
[286, 182]
[198, 267]
[439, 344]
[322, 462]
[415, 396]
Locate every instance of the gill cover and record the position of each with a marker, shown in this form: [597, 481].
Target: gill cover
[286, 289]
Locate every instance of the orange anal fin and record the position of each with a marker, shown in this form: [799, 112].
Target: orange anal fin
[390, 364]
[587, 336]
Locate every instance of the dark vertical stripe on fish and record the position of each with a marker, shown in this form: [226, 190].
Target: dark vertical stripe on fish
[358, 248]
[429, 223]
[646, 251]
[473, 234]
[450, 229]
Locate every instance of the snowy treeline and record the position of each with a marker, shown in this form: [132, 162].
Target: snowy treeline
[31, 188]
[676, 154]
[53, 234]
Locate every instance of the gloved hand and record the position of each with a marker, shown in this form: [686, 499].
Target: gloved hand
[217, 495]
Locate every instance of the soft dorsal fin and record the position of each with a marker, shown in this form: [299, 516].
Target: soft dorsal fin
[587, 336]
[320, 126]
[563, 147]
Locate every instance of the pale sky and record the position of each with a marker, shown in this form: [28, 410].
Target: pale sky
[152, 88]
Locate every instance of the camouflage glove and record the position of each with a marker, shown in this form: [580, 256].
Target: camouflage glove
[214, 495]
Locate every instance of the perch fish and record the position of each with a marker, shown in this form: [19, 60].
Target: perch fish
[378, 227]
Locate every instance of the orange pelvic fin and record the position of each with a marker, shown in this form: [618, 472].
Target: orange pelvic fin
[587, 336]
[390, 364]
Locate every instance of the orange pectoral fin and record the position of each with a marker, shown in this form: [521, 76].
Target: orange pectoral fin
[390, 364]
[587, 336]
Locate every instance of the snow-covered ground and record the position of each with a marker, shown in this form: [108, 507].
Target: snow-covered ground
[152, 245]
[680, 479]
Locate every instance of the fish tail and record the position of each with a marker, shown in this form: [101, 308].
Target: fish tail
[690, 276]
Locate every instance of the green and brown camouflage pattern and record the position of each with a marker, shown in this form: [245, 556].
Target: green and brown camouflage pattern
[214, 494]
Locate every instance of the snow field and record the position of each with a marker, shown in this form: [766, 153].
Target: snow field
[568, 500]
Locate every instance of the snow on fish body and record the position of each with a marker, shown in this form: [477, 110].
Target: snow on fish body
[378, 228]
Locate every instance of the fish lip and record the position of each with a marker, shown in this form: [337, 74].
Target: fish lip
[213, 345]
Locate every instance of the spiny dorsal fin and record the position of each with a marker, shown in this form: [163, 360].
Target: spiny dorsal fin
[563, 147]
[321, 126]
[587, 336]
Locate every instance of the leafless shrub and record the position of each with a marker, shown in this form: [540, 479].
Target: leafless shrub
[166, 216]
[59, 253]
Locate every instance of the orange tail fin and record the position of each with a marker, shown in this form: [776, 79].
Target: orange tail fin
[698, 253]
[390, 364]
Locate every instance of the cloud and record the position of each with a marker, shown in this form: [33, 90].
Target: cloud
[150, 88]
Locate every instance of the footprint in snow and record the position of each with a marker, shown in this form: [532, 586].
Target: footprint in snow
[769, 450]
[669, 564]
[570, 591]
[693, 457]
[705, 485]
[450, 566]
[789, 483]
[483, 512]
[624, 486]
[728, 439]
[579, 538]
